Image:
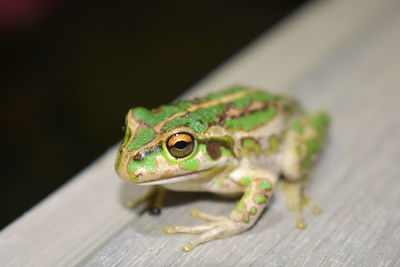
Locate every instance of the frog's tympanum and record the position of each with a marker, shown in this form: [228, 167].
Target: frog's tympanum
[237, 141]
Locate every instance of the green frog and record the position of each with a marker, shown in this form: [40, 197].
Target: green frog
[239, 141]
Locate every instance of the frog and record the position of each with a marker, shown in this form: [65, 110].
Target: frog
[239, 141]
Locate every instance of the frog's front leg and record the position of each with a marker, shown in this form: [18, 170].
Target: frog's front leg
[257, 185]
[154, 197]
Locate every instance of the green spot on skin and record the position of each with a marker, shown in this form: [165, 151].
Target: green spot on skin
[149, 162]
[297, 126]
[190, 164]
[273, 142]
[299, 150]
[250, 145]
[250, 121]
[197, 120]
[307, 161]
[143, 136]
[246, 193]
[218, 181]
[320, 121]
[152, 118]
[313, 146]
[246, 180]
[253, 210]
[225, 152]
[135, 165]
[240, 206]
[132, 176]
[259, 96]
[246, 218]
[265, 185]
[260, 199]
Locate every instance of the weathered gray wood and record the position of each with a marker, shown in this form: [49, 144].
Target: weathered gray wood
[356, 76]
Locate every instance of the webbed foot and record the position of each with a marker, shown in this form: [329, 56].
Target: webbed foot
[296, 200]
[217, 227]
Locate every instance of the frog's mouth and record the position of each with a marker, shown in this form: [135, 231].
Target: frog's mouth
[177, 178]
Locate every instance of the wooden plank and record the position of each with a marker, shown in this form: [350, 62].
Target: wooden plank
[352, 71]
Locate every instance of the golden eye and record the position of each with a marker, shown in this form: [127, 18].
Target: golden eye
[180, 145]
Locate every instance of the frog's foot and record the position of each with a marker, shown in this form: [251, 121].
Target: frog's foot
[205, 216]
[154, 197]
[217, 227]
[296, 200]
[307, 202]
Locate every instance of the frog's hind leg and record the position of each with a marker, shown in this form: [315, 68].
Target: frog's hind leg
[257, 185]
[296, 200]
[205, 216]
[302, 145]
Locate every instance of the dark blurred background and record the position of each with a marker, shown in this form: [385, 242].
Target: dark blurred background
[69, 71]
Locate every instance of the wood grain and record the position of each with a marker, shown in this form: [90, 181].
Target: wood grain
[354, 74]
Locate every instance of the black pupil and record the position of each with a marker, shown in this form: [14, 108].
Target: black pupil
[180, 144]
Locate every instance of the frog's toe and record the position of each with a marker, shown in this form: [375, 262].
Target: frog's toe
[307, 202]
[316, 210]
[220, 229]
[197, 229]
[187, 247]
[210, 231]
[301, 225]
[205, 216]
[169, 230]
[291, 205]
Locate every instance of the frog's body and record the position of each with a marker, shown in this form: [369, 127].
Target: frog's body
[235, 141]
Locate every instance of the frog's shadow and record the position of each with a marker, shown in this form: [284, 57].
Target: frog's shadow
[172, 198]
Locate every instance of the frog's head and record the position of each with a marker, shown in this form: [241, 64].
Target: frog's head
[162, 146]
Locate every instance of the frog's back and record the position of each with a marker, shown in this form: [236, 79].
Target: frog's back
[238, 109]
[250, 112]
[257, 121]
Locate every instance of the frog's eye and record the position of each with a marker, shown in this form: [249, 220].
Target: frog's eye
[180, 145]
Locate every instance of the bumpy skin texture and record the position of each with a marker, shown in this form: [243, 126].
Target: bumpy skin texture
[239, 140]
